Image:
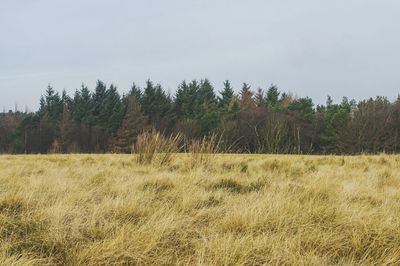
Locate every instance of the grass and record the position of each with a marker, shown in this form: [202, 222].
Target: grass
[237, 210]
[155, 148]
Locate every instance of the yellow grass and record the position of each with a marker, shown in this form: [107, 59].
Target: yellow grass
[235, 210]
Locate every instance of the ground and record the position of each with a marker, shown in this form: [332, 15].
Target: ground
[224, 210]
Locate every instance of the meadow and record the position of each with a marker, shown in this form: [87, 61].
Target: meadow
[216, 210]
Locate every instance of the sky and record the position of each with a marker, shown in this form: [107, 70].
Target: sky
[310, 48]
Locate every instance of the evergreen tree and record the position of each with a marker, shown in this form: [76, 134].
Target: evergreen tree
[205, 94]
[136, 92]
[335, 118]
[155, 103]
[66, 100]
[113, 110]
[234, 105]
[82, 106]
[66, 130]
[47, 133]
[226, 95]
[259, 98]
[272, 98]
[205, 108]
[246, 100]
[303, 106]
[51, 104]
[185, 99]
[133, 124]
[99, 113]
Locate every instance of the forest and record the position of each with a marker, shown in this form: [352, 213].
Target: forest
[250, 121]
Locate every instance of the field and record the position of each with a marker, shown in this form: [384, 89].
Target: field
[226, 210]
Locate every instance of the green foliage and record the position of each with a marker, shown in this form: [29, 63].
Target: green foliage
[268, 121]
[155, 103]
[226, 96]
[272, 98]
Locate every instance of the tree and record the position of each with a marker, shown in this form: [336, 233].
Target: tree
[156, 104]
[185, 99]
[246, 100]
[259, 98]
[9, 122]
[272, 98]
[113, 110]
[301, 124]
[136, 92]
[67, 130]
[133, 124]
[205, 94]
[98, 112]
[47, 133]
[51, 104]
[226, 96]
[205, 108]
[369, 127]
[82, 106]
[332, 119]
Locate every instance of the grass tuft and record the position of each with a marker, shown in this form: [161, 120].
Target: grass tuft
[155, 148]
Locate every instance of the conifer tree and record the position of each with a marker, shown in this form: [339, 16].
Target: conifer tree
[82, 105]
[67, 128]
[226, 95]
[272, 98]
[259, 98]
[136, 92]
[155, 103]
[133, 124]
[113, 111]
[246, 100]
[98, 104]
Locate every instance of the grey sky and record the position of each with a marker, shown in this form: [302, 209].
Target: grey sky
[310, 47]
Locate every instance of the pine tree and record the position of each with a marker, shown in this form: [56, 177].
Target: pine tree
[155, 103]
[259, 98]
[47, 133]
[82, 106]
[113, 111]
[66, 100]
[135, 92]
[133, 123]
[205, 108]
[226, 95]
[205, 94]
[272, 97]
[66, 130]
[234, 105]
[51, 104]
[98, 105]
[185, 99]
[246, 100]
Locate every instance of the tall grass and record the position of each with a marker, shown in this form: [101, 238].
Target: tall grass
[155, 148]
[245, 210]
[203, 151]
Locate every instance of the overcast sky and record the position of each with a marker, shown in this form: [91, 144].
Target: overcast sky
[309, 47]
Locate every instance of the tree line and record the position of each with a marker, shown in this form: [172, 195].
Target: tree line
[251, 121]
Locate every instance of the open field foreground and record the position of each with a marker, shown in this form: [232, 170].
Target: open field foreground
[228, 210]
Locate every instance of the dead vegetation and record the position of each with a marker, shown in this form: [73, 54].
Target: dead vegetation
[228, 210]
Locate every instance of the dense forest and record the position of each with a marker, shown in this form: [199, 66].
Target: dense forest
[252, 121]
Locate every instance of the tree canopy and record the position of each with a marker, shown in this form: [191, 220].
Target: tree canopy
[258, 121]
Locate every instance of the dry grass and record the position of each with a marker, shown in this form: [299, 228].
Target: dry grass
[203, 151]
[155, 148]
[241, 210]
